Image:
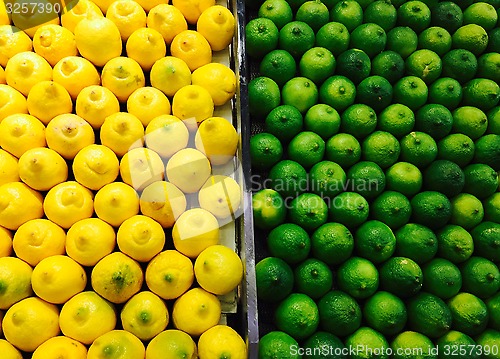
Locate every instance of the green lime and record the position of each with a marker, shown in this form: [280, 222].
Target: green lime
[385, 313]
[370, 38]
[494, 40]
[411, 91]
[284, 122]
[263, 96]
[327, 179]
[333, 36]
[470, 121]
[445, 177]
[332, 243]
[494, 121]
[301, 93]
[429, 315]
[480, 277]
[366, 178]
[435, 39]
[482, 14]
[307, 149]
[457, 148]
[343, 149]
[374, 91]
[382, 13]
[414, 14]
[296, 37]
[268, 209]
[416, 242]
[388, 64]
[459, 64]
[278, 65]
[289, 242]
[313, 278]
[454, 243]
[448, 15]
[489, 341]
[449, 346]
[492, 208]
[358, 120]
[466, 211]
[488, 66]
[358, 277]
[397, 119]
[435, 120]
[265, 151]
[261, 37]
[354, 64]
[424, 64]
[323, 120]
[412, 345]
[309, 211]
[447, 92]
[486, 238]
[470, 37]
[374, 241]
[339, 313]
[405, 178]
[277, 344]
[418, 148]
[297, 315]
[368, 342]
[323, 345]
[401, 276]
[481, 93]
[480, 180]
[431, 209]
[338, 92]
[313, 13]
[493, 305]
[470, 314]
[350, 209]
[274, 279]
[347, 12]
[488, 151]
[442, 278]
[278, 11]
[391, 208]
[382, 148]
[317, 64]
[288, 178]
[402, 40]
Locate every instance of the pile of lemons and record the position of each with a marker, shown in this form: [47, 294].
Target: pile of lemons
[110, 201]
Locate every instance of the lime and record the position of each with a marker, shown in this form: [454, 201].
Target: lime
[284, 122]
[261, 37]
[323, 120]
[274, 279]
[402, 40]
[429, 315]
[278, 11]
[416, 242]
[482, 14]
[350, 209]
[488, 151]
[309, 211]
[265, 151]
[405, 178]
[459, 64]
[445, 177]
[370, 38]
[409, 342]
[448, 15]
[397, 119]
[374, 241]
[453, 341]
[337, 91]
[317, 64]
[296, 37]
[480, 180]
[388, 64]
[307, 149]
[492, 208]
[278, 65]
[466, 211]
[343, 149]
[366, 178]
[435, 120]
[358, 277]
[487, 240]
[489, 340]
[435, 39]
[297, 315]
[354, 64]
[431, 209]
[481, 93]
[313, 13]
[411, 91]
[470, 37]
[442, 278]
[424, 64]
[488, 66]
[289, 242]
[494, 121]
[374, 91]
[301, 93]
[414, 14]
[401, 276]
[368, 341]
[470, 121]
[382, 148]
[333, 36]
[288, 178]
[332, 243]
[480, 277]
[457, 148]
[494, 40]
[381, 13]
[493, 305]
[385, 313]
[326, 179]
[418, 148]
[391, 208]
[323, 345]
[470, 314]
[347, 12]
[447, 92]
[268, 209]
[313, 278]
[358, 120]
[454, 243]
[339, 313]
[263, 96]
[277, 344]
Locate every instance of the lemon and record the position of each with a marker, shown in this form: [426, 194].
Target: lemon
[163, 202]
[42, 168]
[141, 238]
[21, 132]
[147, 5]
[196, 311]
[217, 25]
[98, 40]
[116, 202]
[221, 341]
[191, 47]
[146, 46]
[8, 168]
[15, 281]
[67, 134]
[90, 240]
[192, 9]
[3, 80]
[188, 169]
[9, 351]
[38, 239]
[35, 16]
[171, 344]
[147, 103]
[140, 167]
[103, 4]
[218, 79]
[25, 69]
[4, 14]
[18, 205]
[169, 274]
[12, 42]
[61, 348]
[167, 20]
[95, 166]
[145, 315]
[54, 42]
[95, 103]
[122, 76]
[117, 277]
[87, 316]
[221, 196]
[11, 102]
[5, 246]
[127, 15]
[79, 10]
[166, 135]
[217, 139]
[122, 132]
[169, 75]
[30, 322]
[194, 231]
[68, 203]
[48, 99]
[192, 104]
[74, 74]
[116, 344]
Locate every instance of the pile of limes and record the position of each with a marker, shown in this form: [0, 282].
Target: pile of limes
[379, 191]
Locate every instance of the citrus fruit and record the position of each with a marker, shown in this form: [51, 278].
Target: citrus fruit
[354, 64]
[349, 209]
[168, 20]
[42, 168]
[385, 313]
[278, 344]
[429, 315]
[278, 11]
[391, 208]
[446, 91]
[307, 149]
[146, 46]
[366, 178]
[313, 278]
[358, 120]
[374, 241]
[381, 148]
[454, 243]
[95, 103]
[388, 64]
[480, 277]
[169, 74]
[442, 278]
[274, 279]
[188, 169]
[222, 340]
[338, 92]
[470, 37]
[418, 148]
[14, 290]
[313, 13]
[332, 243]
[284, 122]
[297, 315]
[191, 47]
[67, 134]
[402, 40]
[262, 36]
[405, 178]
[268, 209]
[339, 313]
[469, 313]
[265, 151]
[114, 343]
[263, 96]
[416, 242]
[308, 210]
[171, 343]
[289, 242]
[19, 204]
[296, 37]
[343, 149]
[358, 277]
[401, 276]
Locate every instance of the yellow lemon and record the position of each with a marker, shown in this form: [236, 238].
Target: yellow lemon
[116, 344]
[191, 47]
[188, 169]
[217, 139]
[195, 230]
[192, 104]
[61, 348]
[90, 240]
[68, 203]
[42, 168]
[18, 205]
[167, 20]
[169, 274]
[196, 311]
[221, 341]
[12, 42]
[8, 168]
[30, 21]
[48, 99]
[117, 277]
[57, 278]
[54, 42]
[95, 166]
[146, 46]
[25, 69]
[192, 9]
[9, 351]
[74, 74]
[141, 238]
[98, 40]
[163, 202]
[21, 132]
[38, 239]
[147, 103]
[95, 103]
[221, 196]
[218, 79]
[140, 167]
[122, 132]
[116, 202]
[145, 315]
[169, 75]
[3, 80]
[148, 5]
[67, 134]
[122, 76]
[171, 344]
[217, 25]
[11, 102]
[5, 246]
[87, 316]
[166, 135]
[76, 11]
[30, 322]
[127, 15]
[15, 281]
[4, 14]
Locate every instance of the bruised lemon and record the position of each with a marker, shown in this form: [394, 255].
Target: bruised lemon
[141, 238]
[48, 99]
[54, 42]
[163, 202]
[79, 10]
[95, 166]
[217, 25]
[122, 132]
[169, 75]
[26, 69]
[75, 73]
[166, 135]
[95, 103]
[62, 348]
[122, 75]
[128, 16]
[191, 47]
[147, 103]
[12, 42]
[167, 20]
[116, 202]
[146, 46]
[67, 134]
[12, 102]
[42, 168]
[140, 167]
[19, 204]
